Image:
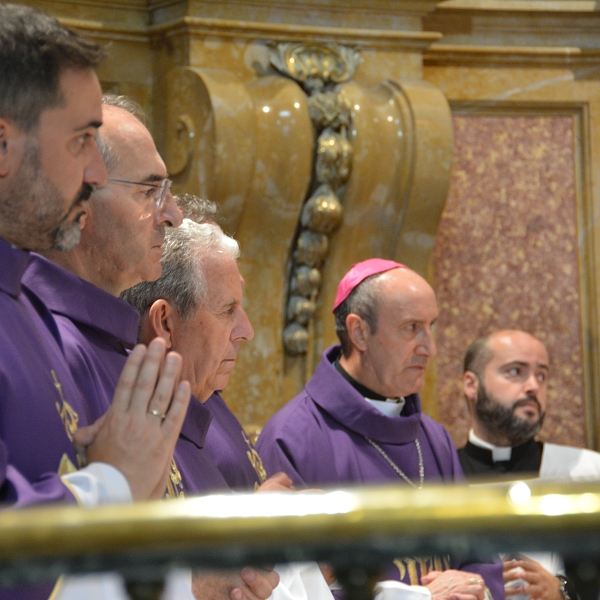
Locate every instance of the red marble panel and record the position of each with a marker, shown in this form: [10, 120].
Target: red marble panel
[506, 257]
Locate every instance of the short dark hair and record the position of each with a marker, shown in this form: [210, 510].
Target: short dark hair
[361, 301]
[478, 356]
[35, 49]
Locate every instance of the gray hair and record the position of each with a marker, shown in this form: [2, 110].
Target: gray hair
[361, 301]
[35, 50]
[196, 208]
[109, 154]
[182, 282]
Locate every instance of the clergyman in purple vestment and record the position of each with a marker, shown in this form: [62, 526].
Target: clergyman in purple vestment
[123, 228]
[49, 112]
[197, 307]
[359, 418]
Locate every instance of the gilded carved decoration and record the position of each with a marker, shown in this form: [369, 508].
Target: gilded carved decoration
[319, 69]
[284, 162]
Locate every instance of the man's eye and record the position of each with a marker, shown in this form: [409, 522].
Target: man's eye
[515, 371]
[151, 193]
[541, 377]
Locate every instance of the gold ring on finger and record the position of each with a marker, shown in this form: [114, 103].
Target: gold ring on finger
[157, 413]
[475, 580]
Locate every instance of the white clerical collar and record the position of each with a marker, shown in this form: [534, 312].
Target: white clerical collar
[390, 407]
[498, 452]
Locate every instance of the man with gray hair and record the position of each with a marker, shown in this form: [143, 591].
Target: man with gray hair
[196, 307]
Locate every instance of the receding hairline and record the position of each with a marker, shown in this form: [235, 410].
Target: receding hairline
[516, 333]
[123, 131]
[484, 351]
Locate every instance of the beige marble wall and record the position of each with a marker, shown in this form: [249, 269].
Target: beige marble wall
[506, 256]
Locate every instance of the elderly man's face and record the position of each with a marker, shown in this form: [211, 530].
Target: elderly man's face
[209, 341]
[397, 354]
[59, 165]
[124, 230]
[512, 394]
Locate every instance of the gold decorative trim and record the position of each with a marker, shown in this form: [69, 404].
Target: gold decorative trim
[546, 6]
[475, 54]
[588, 295]
[102, 30]
[228, 28]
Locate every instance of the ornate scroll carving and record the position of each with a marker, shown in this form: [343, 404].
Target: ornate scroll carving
[319, 69]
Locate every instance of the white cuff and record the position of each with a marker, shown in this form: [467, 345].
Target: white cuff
[301, 581]
[97, 484]
[396, 590]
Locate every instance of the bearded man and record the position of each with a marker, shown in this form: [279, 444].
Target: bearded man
[505, 382]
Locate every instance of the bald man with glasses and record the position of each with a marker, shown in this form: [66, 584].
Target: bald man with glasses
[122, 232]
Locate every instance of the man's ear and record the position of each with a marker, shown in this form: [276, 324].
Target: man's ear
[160, 322]
[12, 142]
[358, 331]
[470, 383]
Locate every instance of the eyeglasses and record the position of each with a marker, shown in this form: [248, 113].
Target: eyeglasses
[157, 192]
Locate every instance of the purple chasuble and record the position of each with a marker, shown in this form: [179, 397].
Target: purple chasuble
[40, 405]
[97, 331]
[199, 473]
[31, 404]
[231, 449]
[318, 438]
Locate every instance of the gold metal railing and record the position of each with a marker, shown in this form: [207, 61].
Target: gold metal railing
[352, 528]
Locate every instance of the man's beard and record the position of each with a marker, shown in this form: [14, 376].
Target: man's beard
[501, 422]
[33, 208]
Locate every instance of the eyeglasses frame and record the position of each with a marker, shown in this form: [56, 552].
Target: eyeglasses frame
[164, 186]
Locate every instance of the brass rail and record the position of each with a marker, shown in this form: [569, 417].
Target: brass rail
[349, 527]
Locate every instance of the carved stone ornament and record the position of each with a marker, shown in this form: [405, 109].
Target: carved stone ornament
[334, 157]
[329, 109]
[315, 65]
[311, 249]
[295, 338]
[300, 309]
[319, 69]
[180, 143]
[323, 212]
[306, 281]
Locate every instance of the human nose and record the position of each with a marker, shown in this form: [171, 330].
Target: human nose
[243, 330]
[169, 212]
[427, 346]
[532, 385]
[95, 173]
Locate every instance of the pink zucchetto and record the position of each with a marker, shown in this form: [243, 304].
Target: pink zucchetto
[359, 272]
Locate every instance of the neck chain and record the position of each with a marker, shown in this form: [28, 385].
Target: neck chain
[396, 468]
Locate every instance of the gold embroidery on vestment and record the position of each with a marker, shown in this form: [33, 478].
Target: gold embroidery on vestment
[255, 459]
[419, 566]
[69, 417]
[175, 483]
[66, 466]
